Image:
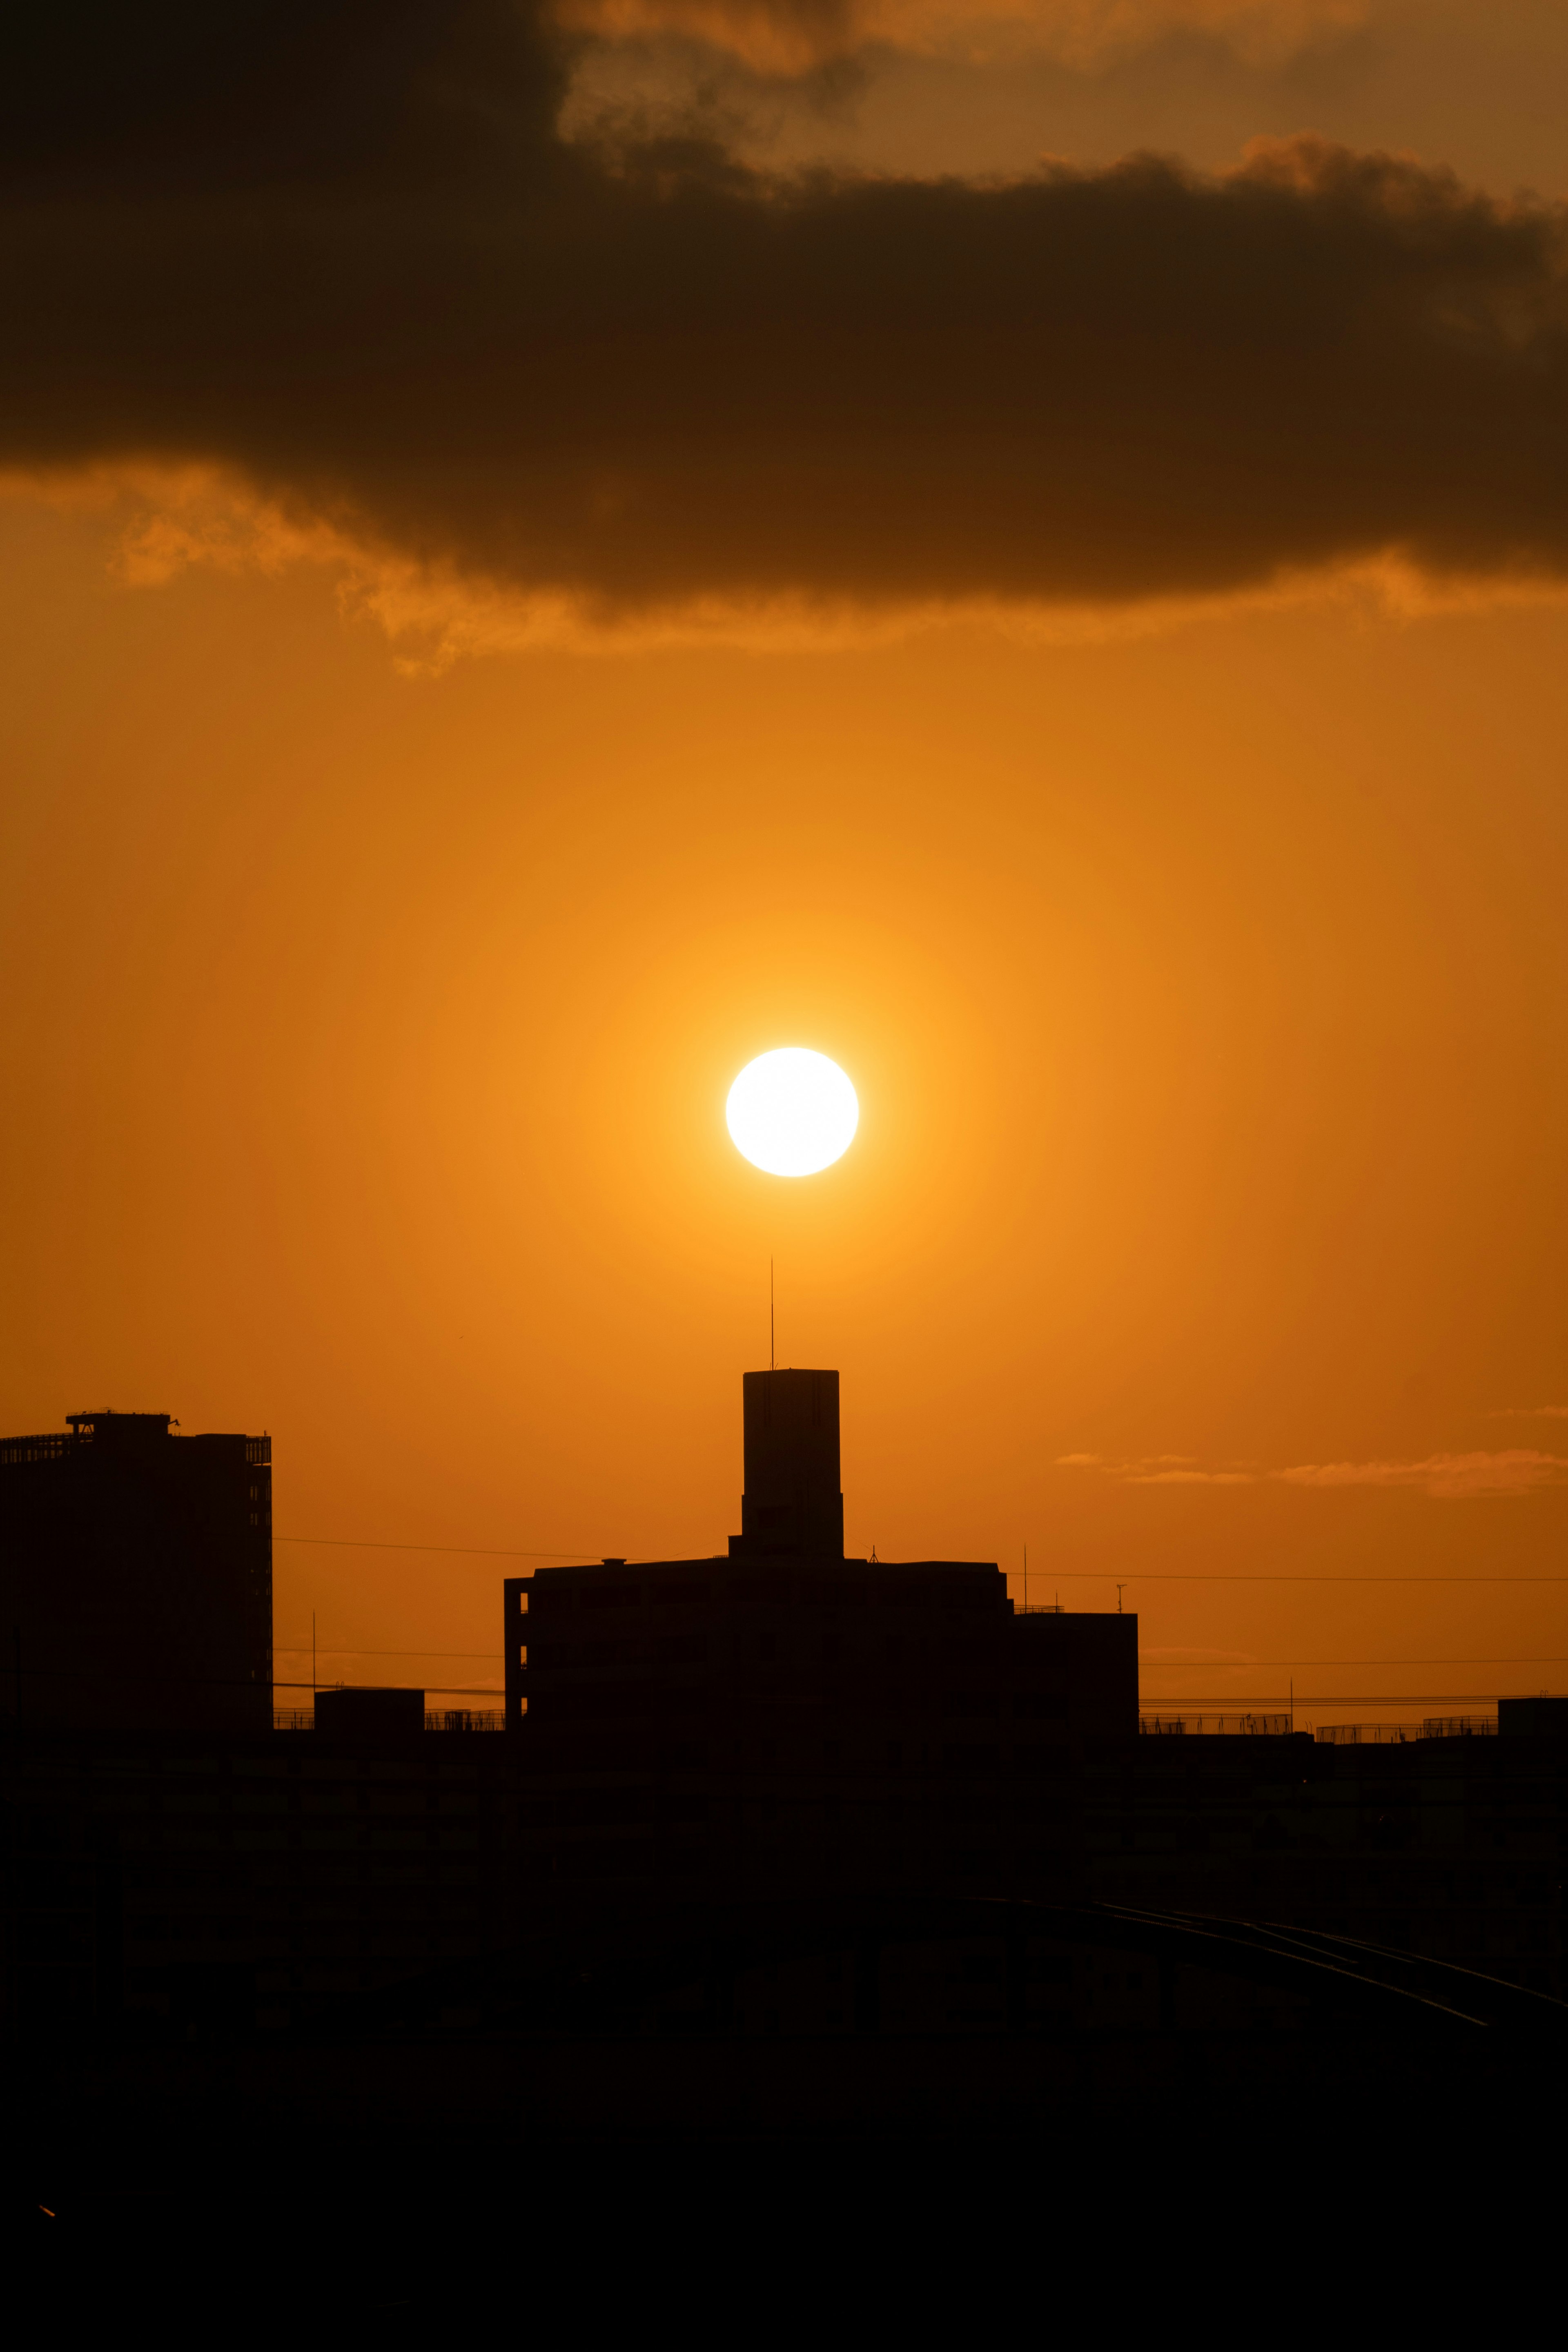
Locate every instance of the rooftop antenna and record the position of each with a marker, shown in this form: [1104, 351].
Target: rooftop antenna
[1119, 1590]
[770, 1347]
[1025, 1580]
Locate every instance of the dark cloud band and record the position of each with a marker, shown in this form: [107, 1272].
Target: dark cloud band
[342, 250]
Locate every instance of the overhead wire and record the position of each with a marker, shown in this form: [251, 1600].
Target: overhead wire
[475, 1551]
[345, 1650]
[1062, 1576]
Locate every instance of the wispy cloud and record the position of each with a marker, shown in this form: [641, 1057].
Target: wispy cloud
[1157, 1470]
[791, 36]
[1516, 1470]
[1529, 1412]
[1192, 1478]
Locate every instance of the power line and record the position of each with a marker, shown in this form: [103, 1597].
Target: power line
[1174, 1665]
[476, 1551]
[442, 1690]
[1233, 1699]
[1063, 1576]
[297, 1650]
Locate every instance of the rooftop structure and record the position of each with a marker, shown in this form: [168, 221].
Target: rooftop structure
[792, 1504]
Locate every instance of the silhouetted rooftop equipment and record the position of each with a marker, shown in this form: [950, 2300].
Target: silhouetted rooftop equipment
[123, 1428]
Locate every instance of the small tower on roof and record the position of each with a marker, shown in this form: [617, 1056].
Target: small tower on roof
[793, 1504]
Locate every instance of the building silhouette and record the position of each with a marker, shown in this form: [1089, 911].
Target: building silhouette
[136, 1576]
[774, 1826]
[785, 1648]
[779, 1715]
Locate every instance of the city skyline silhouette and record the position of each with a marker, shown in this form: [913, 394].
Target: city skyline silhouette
[872, 689]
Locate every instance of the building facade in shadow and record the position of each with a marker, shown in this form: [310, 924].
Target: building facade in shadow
[136, 1576]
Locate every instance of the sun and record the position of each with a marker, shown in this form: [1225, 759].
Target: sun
[792, 1112]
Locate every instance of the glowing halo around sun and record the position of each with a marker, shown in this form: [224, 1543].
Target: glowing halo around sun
[792, 1112]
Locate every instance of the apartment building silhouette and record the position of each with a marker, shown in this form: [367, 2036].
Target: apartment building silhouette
[136, 1576]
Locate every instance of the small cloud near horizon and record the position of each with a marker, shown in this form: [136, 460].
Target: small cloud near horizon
[1159, 1470]
[1517, 1470]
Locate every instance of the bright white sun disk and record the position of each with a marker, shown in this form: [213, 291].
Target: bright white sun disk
[792, 1112]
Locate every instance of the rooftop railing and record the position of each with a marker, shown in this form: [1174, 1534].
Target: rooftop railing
[51, 1446]
[1268, 1726]
[1366, 1735]
[436, 1718]
[1399, 1735]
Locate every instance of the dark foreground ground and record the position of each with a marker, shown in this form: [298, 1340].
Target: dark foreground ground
[859, 2119]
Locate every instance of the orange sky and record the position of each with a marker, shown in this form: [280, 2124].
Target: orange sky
[1204, 982]
[369, 1038]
